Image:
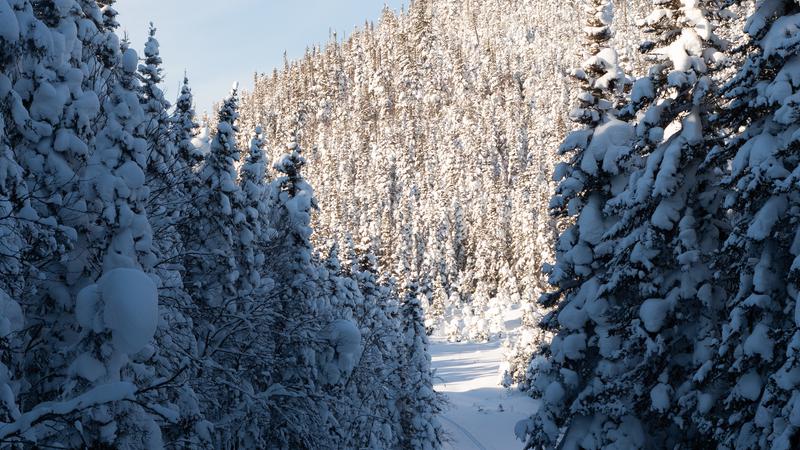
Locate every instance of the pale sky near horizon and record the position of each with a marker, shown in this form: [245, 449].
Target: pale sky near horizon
[221, 42]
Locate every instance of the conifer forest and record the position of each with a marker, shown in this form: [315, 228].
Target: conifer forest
[464, 224]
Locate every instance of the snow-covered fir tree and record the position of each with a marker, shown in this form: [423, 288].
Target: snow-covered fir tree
[417, 403]
[747, 387]
[587, 182]
[300, 312]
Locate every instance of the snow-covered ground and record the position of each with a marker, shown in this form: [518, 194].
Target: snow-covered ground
[481, 413]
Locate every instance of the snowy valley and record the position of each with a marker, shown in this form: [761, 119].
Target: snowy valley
[468, 224]
[479, 413]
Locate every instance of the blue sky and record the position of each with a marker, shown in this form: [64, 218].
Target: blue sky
[222, 42]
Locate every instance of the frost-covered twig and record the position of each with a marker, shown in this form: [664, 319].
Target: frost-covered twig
[107, 393]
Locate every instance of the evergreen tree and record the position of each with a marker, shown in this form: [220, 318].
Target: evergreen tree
[627, 325]
[161, 149]
[185, 127]
[186, 181]
[747, 387]
[35, 185]
[418, 403]
[562, 375]
[256, 233]
[215, 277]
[299, 310]
[118, 244]
[215, 216]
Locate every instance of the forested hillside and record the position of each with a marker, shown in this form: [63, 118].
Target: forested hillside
[432, 138]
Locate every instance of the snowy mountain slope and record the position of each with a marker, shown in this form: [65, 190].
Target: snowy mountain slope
[433, 135]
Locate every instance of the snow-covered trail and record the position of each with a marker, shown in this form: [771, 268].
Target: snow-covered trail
[481, 414]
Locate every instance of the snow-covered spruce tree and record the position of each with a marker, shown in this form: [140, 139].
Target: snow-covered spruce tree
[184, 126]
[229, 319]
[636, 323]
[748, 387]
[377, 423]
[211, 266]
[256, 234]
[164, 169]
[662, 298]
[24, 195]
[300, 311]
[418, 403]
[72, 60]
[172, 178]
[186, 184]
[564, 367]
[118, 309]
[157, 127]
